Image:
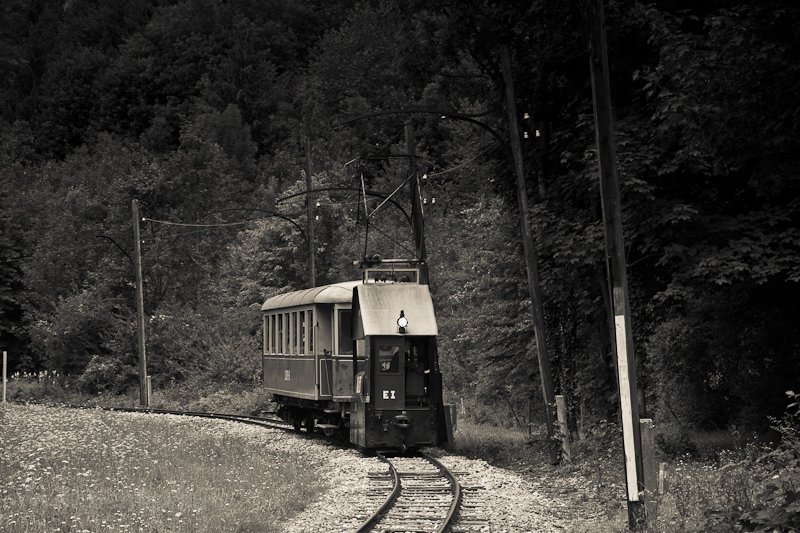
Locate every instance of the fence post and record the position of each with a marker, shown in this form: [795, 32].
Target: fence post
[561, 415]
[650, 469]
[663, 479]
[149, 390]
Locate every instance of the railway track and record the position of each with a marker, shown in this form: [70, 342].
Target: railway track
[425, 498]
[271, 422]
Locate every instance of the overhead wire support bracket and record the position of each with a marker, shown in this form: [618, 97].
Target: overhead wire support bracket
[388, 198]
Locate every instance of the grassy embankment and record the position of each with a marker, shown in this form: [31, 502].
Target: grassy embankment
[92, 470]
[717, 482]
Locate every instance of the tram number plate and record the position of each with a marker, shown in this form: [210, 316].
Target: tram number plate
[287, 375]
[389, 395]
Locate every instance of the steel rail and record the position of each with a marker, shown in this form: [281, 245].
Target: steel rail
[245, 419]
[373, 519]
[456, 503]
[369, 524]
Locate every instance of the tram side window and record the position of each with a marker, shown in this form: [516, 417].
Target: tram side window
[388, 359]
[301, 332]
[311, 332]
[345, 342]
[288, 329]
[295, 334]
[265, 338]
[279, 321]
[273, 327]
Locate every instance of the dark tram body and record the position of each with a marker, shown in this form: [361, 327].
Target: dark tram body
[358, 359]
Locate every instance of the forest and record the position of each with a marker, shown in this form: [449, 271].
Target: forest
[199, 109]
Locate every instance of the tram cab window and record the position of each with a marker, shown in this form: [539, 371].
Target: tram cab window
[388, 359]
[416, 370]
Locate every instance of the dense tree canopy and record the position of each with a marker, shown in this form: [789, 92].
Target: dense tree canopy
[199, 110]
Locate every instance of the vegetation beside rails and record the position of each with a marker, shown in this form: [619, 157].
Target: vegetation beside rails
[198, 394]
[91, 470]
[717, 481]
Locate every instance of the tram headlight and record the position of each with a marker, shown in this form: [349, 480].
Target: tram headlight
[402, 322]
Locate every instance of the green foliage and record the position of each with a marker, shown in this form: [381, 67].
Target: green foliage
[209, 394]
[739, 361]
[81, 328]
[480, 300]
[184, 343]
[198, 110]
[107, 374]
[762, 489]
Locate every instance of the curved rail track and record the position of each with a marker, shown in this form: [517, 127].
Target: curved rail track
[276, 423]
[425, 498]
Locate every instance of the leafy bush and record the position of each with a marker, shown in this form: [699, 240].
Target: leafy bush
[675, 443]
[761, 491]
[107, 374]
[185, 343]
[204, 394]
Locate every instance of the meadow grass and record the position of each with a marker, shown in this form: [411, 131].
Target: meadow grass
[91, 470]
[502, 445]
[196, 394]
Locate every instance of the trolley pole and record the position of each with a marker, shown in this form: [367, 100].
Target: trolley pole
[417, 217]
[615, 263]
[137, 262]
[312, 267]
[531, 258]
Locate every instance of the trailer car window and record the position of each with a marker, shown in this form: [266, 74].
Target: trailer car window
[345, 342]
[311, 332]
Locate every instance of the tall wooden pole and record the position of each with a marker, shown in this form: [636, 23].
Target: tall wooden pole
[137, 262]
[530, 256]
[417, 219]
[615, 261]
[5, 373]
[312, 267]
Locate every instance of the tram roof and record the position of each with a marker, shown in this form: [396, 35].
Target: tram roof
[327, 294]
[379, 305]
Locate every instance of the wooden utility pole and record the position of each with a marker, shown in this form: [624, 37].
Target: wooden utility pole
[417, 219]
[530, 256]
[312, 267]
[615, 263]
[5, 373]
[137, 266]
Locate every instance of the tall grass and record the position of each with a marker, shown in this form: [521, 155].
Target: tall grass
[76, 470]
[196, 394]
[722, 483]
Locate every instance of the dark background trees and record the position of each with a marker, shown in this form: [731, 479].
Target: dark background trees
[199, 109]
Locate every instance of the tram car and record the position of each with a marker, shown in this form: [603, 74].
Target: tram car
[358, 359]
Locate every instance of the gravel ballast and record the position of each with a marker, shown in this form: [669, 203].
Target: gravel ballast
[513, 503]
